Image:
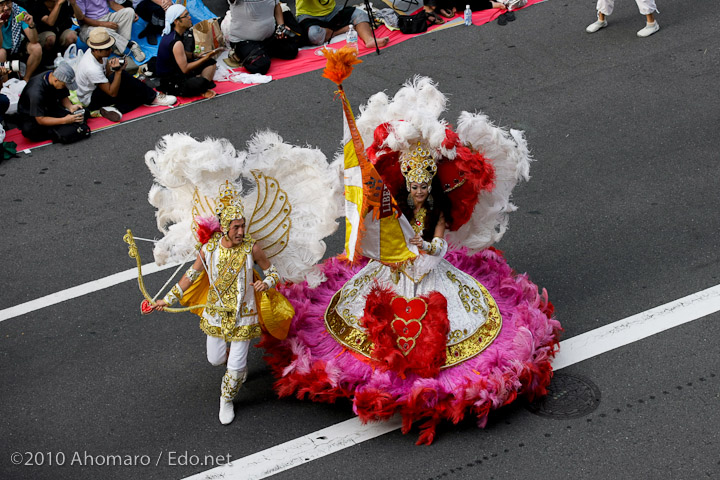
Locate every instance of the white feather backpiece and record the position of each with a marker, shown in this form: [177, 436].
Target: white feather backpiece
[509, 155]
[312, 190]
[180, 164]
[414, 114]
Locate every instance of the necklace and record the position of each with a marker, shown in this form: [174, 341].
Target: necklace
[419, 223]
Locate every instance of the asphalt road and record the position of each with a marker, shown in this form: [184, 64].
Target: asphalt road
[619, 217]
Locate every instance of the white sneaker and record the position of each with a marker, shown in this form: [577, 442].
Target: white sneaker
[227, 411]
[649, 29]
[137, 51]
[111, 113]
[162, 100]
[597, 25]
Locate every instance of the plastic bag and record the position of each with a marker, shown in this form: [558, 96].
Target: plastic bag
[12, 90]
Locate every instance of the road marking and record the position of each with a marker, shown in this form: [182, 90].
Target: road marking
[573, 350]
[351, 432]
[80, 290]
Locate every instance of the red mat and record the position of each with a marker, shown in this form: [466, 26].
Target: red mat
[306, 61]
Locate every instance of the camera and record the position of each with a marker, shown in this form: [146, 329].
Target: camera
[121, 62]
[281, 30]
[14, 66]
[80, 111]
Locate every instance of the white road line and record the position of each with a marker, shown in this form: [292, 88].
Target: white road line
[79, 291]
[351, 432]
[573, 350]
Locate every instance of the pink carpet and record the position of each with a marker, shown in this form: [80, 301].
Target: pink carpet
[306, 61]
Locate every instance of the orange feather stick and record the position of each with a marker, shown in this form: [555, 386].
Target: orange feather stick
[339, 63]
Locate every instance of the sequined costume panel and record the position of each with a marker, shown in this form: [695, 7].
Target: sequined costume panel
[231, 277]
[470, 308]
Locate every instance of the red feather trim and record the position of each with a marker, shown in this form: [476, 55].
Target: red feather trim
[428, 354]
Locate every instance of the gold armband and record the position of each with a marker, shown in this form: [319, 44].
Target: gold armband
[272, 277]
[173, 295]
[193, 274]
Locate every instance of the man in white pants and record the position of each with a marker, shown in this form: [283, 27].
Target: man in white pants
[646, 7]
[229, 258]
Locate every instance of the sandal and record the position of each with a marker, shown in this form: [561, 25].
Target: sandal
[433, 19]
[447, 13]
[502, 19]
[232, 61]
[510, 16]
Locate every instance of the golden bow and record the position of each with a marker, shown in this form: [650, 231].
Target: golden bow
[133, 253]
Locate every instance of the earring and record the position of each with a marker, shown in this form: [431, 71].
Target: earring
[410, 201]
[430, 201]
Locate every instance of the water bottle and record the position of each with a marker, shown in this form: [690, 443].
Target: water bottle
[352, 38]
[467, 16]
[58, 60]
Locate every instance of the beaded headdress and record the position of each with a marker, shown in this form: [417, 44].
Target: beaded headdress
[229, 206]
[418, 166]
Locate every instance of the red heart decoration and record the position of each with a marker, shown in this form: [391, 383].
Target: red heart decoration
[406, 328]
[414, 309]
[406, 344]
[145, 307]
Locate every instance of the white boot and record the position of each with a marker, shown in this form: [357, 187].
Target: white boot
[228, 390]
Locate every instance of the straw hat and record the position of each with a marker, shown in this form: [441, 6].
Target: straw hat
[100, 39]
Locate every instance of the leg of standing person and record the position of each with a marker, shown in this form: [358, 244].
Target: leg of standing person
[648, 8]
[604, 8]
[234, 377]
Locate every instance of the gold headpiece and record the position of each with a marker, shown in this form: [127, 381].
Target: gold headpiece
[418, 166]
[229, 206]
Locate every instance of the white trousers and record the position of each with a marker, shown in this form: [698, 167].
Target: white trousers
[646, 7]
[217, 352]
[124, 19]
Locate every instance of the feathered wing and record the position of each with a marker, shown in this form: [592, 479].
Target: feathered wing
[296, 190]
[188, 174]
[182, 165]
[510, 157]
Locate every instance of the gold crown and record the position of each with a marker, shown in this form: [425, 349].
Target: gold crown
[418, 166]
[229, 206]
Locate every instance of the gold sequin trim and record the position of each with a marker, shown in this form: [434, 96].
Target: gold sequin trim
[359, 342]
[229, 391]
[470, 297]
[239, 333]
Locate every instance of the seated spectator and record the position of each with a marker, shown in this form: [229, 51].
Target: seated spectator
[97, 13]
[19, 39]
[105, 85]
[45, 110]
[178, 75]
[153, 12]
[258, 33]
[324, 19]
[53, 19]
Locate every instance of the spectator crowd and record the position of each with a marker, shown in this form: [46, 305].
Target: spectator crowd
[58, 98]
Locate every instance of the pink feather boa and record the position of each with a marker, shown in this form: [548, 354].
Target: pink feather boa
[311, 363]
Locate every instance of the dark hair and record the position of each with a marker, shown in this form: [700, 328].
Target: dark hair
[441, 204]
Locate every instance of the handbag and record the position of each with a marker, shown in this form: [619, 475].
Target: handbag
[208, 35]
[417, 23]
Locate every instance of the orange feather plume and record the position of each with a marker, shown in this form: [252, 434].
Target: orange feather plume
[339, 63]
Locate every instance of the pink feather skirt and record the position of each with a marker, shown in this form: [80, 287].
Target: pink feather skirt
[400, 361]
